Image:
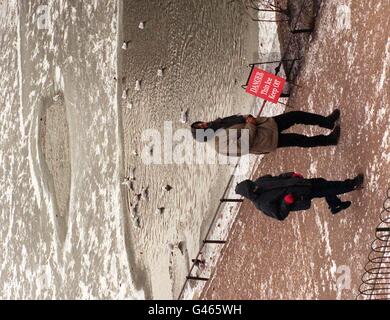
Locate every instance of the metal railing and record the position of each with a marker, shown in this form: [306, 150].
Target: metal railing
[190, 275]
[376, 278]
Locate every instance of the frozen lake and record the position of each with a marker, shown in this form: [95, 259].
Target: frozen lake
[67, 244]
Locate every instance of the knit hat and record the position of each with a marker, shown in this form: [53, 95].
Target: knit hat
[200, 134]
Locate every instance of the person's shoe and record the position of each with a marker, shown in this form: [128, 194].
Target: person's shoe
[344, 205]
[331, 119]
[334, 136]
[358, 181]
[334, 116]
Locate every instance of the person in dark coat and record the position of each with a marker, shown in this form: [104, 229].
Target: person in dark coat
[265, 134]
[277, 196]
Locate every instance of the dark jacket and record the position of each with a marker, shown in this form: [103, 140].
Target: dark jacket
[267, 194]
[202, 135]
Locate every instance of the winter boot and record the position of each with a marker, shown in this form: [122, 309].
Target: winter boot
[344, 205]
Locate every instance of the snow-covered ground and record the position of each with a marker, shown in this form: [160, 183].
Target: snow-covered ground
[81, 253]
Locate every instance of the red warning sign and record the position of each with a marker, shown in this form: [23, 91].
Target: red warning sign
[265, 85]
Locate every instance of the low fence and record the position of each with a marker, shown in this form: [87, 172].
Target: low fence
[376, 278]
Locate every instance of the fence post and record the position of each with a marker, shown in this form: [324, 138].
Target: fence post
[231, 200]
[197, 278]
[214, 241]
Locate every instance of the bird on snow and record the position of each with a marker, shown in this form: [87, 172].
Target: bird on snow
[137, 222]
[125, 45]
[160, 72]
[181, 246]
[134, 210]
[145, 194]
[150, 150]
[138, 85]
[132, 174]
[58, 98]
[137, 197]
[160, 210]
[129, 106]
[167, 188]
[128, 183]
[184, 116]
[124, 94]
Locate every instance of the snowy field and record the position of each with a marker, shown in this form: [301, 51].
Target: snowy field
[79, 252]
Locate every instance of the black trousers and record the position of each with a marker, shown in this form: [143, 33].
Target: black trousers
[287, 120]
[330, 190]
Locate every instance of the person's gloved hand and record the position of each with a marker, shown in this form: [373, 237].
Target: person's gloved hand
[297, 175]
[251, 119]
[289, 199]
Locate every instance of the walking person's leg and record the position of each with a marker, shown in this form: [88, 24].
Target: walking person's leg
[336, 205]
[299, 140]
[287, 120]
[333, 201]
[330, 190]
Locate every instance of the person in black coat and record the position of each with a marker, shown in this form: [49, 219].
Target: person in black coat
[277, 196]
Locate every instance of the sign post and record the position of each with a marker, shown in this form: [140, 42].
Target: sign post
[265, 85]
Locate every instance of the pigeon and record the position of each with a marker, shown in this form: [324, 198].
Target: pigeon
[128, 183]
[141, 25]
[137, 197]
[160, 72]
[58, 98]
[132, 174]
[125, 45]
[135, 153]
[151, 150]
[134, 210]
[160, 210]
[184, 116]
[138, 85]
[137, 222]
[124, 94]
[181, 246]
[129, 106]
[200, 262]
[167, 188]
[145, 194]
